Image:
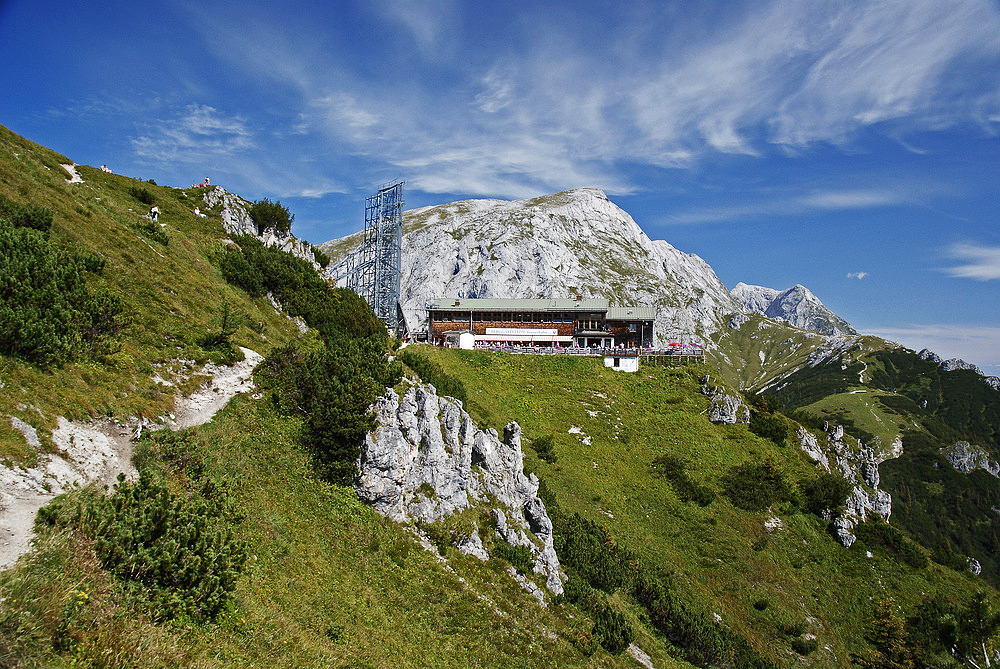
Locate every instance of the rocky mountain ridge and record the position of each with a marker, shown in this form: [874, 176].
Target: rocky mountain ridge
[572, 243]
[797, 306]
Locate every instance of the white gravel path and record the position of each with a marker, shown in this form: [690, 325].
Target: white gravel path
[99, 451]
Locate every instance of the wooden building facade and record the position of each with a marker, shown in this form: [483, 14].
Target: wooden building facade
[540, 322]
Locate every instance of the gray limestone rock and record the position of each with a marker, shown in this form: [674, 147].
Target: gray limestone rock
[30, 434]
[953, 364]
[967, 458]
[724, 408]
[859, 465]
[737, 321]
[427, 460]
[927, 354]
[810, 445]
[234, 212]
[728, 409]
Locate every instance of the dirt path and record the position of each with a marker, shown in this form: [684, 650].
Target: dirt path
[99, 451]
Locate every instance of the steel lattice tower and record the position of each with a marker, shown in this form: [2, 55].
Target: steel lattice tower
[373, 271]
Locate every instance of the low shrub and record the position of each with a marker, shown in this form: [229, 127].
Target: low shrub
[320, 257]
[336, 313]
[878, 533]
[142, 195]
[519, 557]
[150, 230]
[430, 372]
[25, 215]
[544, 448]
[333, 388]
[267, 215]
[47, 314]
[804, 646]
[754, 486]
[673, 469]
[176, 552]
[769, 426]
[947, 558]
[826, 492]
[613, 630]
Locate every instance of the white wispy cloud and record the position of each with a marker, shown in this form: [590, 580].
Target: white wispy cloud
[195, 134]
[559, 105]
[852, 199]
[795, 205]
[977, 344]
[981, 263]
[857, 275]
[430, 22]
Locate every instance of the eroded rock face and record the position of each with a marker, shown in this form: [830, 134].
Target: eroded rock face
[724, 408]
[428, 460]
[967, 458]
[859, 465]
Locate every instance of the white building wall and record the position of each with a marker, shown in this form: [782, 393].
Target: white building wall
[622, 363]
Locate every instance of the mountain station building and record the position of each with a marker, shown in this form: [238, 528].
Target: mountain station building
[567, 323]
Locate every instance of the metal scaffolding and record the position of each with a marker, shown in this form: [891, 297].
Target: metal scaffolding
[373, 270]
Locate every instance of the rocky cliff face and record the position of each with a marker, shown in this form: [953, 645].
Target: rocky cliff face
[427, 461]
[797, 306]
[571, 243]
[859, 465]
[967, 458]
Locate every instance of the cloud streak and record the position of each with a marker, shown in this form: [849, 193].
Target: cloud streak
[981, 263]
[546, 109]
[197, 134]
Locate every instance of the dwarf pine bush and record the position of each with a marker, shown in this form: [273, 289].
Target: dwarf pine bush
[47, 314]
[176, 551]
[268, 215]
[142, 195]
[25, 215]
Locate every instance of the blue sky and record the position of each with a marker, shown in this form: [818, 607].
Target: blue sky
[852, 147]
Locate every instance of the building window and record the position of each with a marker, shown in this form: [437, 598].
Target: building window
[631, 327]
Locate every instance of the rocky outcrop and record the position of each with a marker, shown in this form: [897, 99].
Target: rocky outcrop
[950, 365]
[967, 458]
[859, 465]
[427, 460]
[724, 407]
[234, 212]
[810, 444]
[737, 321]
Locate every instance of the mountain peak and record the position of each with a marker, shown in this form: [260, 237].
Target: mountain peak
[575, 242]
[797, 306]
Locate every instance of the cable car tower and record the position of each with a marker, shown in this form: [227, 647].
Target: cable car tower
[373, 270]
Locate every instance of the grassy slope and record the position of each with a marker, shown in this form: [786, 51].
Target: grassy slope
[330, 583]
[173, 293]
[944, 508]
[725, 555]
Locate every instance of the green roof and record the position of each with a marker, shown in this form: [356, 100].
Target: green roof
[631, 314]
[545, 304]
